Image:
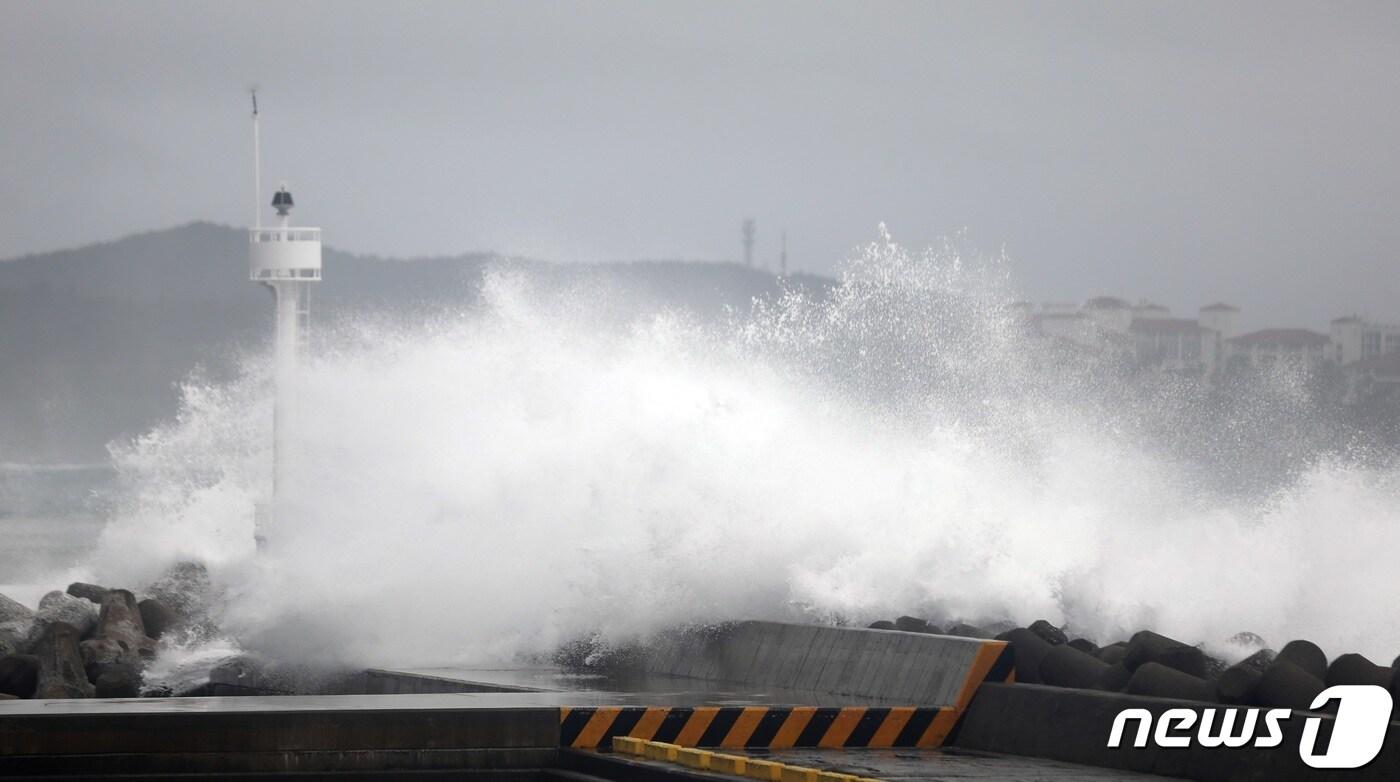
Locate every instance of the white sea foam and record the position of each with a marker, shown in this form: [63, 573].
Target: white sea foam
[499, 482]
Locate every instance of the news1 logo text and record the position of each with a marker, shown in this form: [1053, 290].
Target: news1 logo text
[1358, 730]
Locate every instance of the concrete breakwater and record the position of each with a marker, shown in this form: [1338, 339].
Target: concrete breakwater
[1068, 692]
[746, 684]
[1151, 664]
[94, 641]
[742, 685]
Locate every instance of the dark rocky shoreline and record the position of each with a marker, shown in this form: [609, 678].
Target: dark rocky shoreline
[1155, 665]
[94, 641]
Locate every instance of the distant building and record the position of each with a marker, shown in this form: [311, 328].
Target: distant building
[1146, 332]
[1220, 318]
[1074, 327]
[1372, 377]
[1271, 347]
[1175, 345]
[1110, 313]
[1211, 343]
[1356, 339]
[1146, 309]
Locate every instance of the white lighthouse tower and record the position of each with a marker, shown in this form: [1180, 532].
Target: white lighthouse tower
[286, 259]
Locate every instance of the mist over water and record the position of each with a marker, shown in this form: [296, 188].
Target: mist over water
[559, 462]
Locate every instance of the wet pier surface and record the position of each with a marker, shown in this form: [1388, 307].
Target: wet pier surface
[946, 765]
[324, 735]
[426, 734]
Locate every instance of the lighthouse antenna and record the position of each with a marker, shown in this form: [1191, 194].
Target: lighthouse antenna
[257, 166]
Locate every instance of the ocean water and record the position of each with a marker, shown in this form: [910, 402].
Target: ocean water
[50, 519]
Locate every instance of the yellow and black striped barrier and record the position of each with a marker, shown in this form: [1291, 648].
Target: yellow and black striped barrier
[787, 726]
[758, 726]
[735, 765]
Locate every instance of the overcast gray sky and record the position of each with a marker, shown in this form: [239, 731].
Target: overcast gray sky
[1183, 152]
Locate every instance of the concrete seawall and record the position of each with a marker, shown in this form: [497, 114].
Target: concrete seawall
[744, 685]
[878, 665]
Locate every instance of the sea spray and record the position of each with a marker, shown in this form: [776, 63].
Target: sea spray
[500, 481]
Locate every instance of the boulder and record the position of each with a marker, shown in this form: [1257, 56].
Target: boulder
[1214, 666]
[14, 611]
[61, 673]
[57, 606]
[5, 696]
[999, 627]
[965, 630]
[1048, 632]
[1395, 679]
[1117, 678]
[1161, 681]
[913, 624]
[1084, 645]
[156, 617]
[1247, 639]
[119, 681]
[1259, 661]
[1114, 653]
[1356, 669]
[1149, 647]
[1306, 655]
[1287, 685]
[1065, 666]
[881, 624]
[1027, 649]
[1237, 684]
[19, 674]
[120, 621]
[186, 590]
[16, 626]
[91, 592]
[99, 653]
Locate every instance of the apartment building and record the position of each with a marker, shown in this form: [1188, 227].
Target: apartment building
[1355, 339]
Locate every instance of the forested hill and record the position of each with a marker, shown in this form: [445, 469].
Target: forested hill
[94, 340]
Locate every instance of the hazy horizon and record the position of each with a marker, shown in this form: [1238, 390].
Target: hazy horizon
[1183, 154]
[1248, 321]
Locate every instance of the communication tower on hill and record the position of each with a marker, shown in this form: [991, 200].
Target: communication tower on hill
[782, 258]
[748, 233]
